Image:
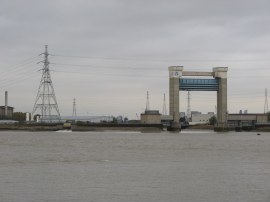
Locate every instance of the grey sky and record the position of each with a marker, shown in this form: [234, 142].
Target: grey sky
[126, 47]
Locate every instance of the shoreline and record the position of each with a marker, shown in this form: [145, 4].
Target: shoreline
[82, 128]
[114, 127]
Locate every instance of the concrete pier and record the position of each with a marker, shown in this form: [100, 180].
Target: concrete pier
[220, 73]
[175, 72]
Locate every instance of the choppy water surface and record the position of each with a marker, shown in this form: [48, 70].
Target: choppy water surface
[128, 166]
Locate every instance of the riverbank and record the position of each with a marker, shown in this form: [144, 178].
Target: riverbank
[244, 129]
[99, 127]
[30, 127]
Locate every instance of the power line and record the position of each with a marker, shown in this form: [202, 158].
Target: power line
[112, 58]
[19, 68]
[15, 81]
[23, 61]
[165, 59]
[17, 75]
[135, 68]
[114, 75]
[98, 66]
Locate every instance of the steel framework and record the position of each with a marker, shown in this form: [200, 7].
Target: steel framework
[190, 84]
[46, 99]
[74, 108]
[265, 102]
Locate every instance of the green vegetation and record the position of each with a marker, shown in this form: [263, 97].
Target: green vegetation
[213, 120]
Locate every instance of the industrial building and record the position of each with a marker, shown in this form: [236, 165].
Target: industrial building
[6, 111]
[151, 117]
[90, 119]
[201, 118]
[240, 120]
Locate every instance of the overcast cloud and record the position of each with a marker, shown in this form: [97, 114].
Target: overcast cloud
[125, 48]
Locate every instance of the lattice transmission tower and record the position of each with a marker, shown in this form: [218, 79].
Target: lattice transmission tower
[74, 108]
[46, 99]
[265, 102]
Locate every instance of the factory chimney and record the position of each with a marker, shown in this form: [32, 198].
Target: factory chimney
[6, 103]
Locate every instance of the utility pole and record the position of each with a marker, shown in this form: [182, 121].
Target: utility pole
[46, 99]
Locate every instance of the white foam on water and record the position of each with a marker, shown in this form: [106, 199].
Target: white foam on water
[64, 131]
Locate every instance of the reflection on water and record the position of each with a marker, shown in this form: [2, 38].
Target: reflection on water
[125, 166]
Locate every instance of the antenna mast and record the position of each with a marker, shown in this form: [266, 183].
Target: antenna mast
[46, 99]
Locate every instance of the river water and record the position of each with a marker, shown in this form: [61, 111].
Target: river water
[192, 166]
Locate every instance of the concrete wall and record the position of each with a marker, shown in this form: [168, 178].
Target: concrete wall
[151, 118]
[201, 118]
[258, 118]
[262, 118]
[220, 73]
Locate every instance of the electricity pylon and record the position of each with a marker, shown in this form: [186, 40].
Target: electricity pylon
[265, 102]
[46, 99]
[74, 108]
